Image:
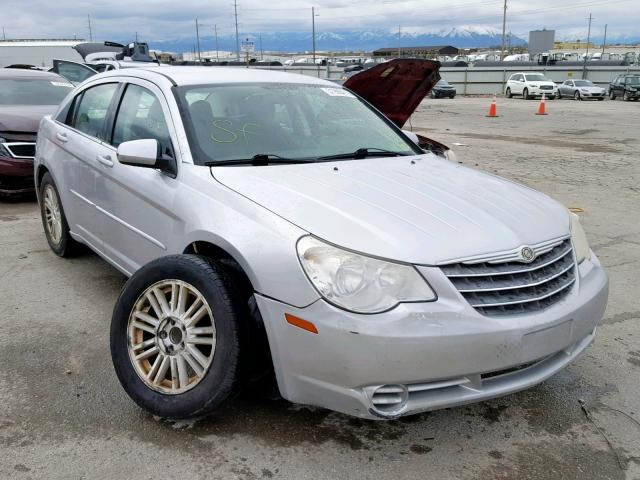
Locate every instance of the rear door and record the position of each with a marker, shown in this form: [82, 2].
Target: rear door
[136, 203]
[518, 84]
[73, 71]
[79, 135]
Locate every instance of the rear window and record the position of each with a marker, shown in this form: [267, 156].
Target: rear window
[29, 91]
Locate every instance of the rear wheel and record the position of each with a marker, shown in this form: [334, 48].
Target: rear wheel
[577, 96]
[175, 336]
[54, 221]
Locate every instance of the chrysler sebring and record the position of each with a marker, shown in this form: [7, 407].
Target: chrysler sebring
[281, 224]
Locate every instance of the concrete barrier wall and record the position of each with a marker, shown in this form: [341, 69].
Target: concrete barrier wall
[485, 80]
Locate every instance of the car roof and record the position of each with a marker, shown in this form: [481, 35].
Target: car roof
[28, 73]
[198, 75]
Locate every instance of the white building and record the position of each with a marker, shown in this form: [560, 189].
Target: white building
[39, 53]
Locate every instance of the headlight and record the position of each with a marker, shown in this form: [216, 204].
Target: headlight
[359, 283]
[534, 86]
[579, 239]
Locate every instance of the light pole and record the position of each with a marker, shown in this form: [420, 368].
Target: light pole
[586, 55]
[313, 31]
[198, 40]
[235, 9]
[504, 26]
[215, 32]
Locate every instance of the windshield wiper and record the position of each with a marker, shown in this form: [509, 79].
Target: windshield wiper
[259, 159]
[364, 153]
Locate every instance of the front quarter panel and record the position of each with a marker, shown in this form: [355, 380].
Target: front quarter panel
[263, 243]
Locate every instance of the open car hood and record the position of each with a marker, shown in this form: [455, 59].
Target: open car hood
[85, 49]
[396, 88]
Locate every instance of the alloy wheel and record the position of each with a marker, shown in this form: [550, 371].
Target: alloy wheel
[171, 337]
[53, 217]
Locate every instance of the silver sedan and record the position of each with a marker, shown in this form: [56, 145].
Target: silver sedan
[580, 90]
[276, 224]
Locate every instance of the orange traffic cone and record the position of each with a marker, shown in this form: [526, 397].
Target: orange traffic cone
[492, 108]
[541, 107]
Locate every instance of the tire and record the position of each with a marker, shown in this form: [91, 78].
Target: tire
[577, 96]
[600, 99]
[625, 97]
[525, 94]
[508, 93]
[54, 220]
[179, 389]
[612, 95]
[552, 97]
[559, 95]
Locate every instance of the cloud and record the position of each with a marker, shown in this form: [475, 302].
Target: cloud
[159, 20]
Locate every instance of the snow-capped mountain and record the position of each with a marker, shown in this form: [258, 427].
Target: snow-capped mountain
[461, 37]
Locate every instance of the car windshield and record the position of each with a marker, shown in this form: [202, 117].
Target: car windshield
[584, 83]
[292, 121]
[536, 77]
[29, 91]
[632, 81]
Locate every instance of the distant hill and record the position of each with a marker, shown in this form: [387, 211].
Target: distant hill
[361, 40]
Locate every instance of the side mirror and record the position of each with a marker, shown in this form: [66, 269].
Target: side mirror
[139, 153]
[145, 153]
[412, 136]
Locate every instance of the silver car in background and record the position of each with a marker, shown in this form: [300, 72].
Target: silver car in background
[581, 90]
[276, 223]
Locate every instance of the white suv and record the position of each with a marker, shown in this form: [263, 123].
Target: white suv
[530, 85]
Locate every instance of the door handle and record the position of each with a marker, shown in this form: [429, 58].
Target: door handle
[105, 160]
[62, 137]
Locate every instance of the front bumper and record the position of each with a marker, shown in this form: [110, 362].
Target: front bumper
[16, 176]
[436, 355]
[593, 94]
[537, 92]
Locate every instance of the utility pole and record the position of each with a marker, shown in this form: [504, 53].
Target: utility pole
[604, 42]
[261, 51]
[215, 31]
[235, 9]
[313, 32]
[90, 31]
[4, 37]
[136, 37]
[198, 40]
[586, 55]
[504, 26]
[399, 48]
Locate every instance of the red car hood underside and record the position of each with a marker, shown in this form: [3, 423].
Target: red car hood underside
[396, 88]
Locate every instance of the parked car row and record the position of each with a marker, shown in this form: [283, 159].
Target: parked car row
[531, 85]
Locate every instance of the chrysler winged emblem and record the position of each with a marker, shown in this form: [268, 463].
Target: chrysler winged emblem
[527, 254]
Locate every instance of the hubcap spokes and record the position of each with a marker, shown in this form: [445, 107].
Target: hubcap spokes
[171, 336]
[52, 215]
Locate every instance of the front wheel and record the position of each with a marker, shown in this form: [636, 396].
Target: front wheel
[525, 94]
[612, 96]
[577, 96]
[175, 336]
[626, 97]
[508, 93]
[559, 94]
[54, 220]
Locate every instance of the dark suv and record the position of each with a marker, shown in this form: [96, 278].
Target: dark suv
[626, 86]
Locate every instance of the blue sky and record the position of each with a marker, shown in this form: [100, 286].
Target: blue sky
[169, 19]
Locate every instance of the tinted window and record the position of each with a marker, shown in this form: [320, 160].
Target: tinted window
[536, 77]
[584, 83]
[29, 91]
[140, 117]
[90, 109]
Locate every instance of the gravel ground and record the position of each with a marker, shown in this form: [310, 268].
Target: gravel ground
[64, 415]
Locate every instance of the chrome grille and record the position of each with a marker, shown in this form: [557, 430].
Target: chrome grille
[546, 87]
[510, 287]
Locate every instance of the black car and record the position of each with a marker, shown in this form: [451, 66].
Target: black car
[443, 89]
[625, 86]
